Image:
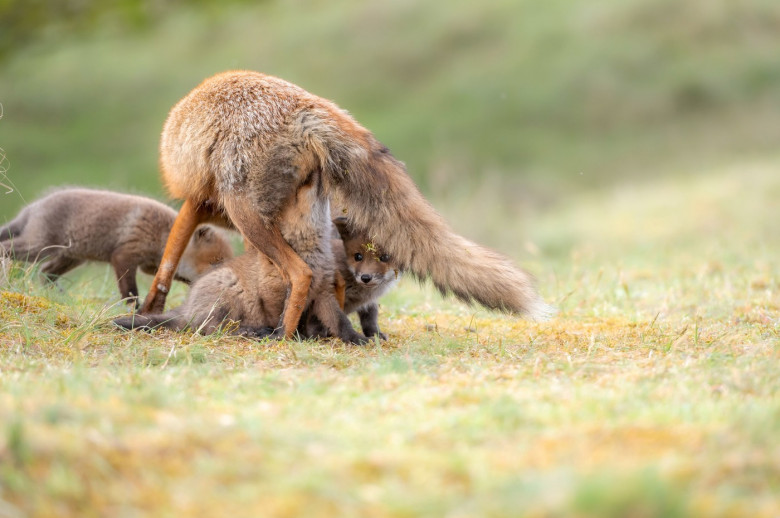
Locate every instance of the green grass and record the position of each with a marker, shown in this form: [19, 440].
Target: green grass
[537, 97]
[624, 152]
[652, 393]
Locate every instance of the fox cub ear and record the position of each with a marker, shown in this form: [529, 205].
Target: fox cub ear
[341, 226]
[203, 234]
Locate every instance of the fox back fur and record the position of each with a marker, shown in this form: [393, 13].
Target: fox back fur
[244, 143]
[70, 226]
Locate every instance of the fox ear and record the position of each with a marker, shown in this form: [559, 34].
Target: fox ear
[341, 226]
[202, 233]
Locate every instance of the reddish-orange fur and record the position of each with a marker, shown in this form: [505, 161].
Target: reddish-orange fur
[242, 145]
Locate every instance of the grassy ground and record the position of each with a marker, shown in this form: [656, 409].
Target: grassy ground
[654, 392]
[590, 140]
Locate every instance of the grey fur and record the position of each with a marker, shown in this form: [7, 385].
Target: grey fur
[71, 226]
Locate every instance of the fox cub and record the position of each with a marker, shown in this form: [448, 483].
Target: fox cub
[250, 291]
[71, 226]
[367, 273]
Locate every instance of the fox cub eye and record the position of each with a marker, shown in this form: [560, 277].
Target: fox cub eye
[384, 258]
[358, 257]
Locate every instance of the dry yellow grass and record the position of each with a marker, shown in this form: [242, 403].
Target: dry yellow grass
[653, 393]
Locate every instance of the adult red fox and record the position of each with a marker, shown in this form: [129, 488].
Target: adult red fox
[70, 226]
[240, 148]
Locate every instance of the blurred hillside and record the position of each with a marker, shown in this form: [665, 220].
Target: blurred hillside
[529, 101]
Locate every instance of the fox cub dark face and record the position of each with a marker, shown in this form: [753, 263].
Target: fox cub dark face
[368, 264]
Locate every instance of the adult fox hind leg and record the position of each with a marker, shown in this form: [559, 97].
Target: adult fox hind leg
[267, 238]
[190, 216]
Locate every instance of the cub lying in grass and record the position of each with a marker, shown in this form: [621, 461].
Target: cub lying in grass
[249, 291]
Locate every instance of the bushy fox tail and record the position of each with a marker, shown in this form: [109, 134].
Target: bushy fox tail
[381, 199]
[169, 320]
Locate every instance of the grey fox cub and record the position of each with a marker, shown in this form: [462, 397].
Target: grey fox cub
[70, 226]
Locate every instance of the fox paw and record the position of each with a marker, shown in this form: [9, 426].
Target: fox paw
[371, 333]
[256, 333]
[124, 322]
[355, 338]
[278, 334]
[132, 322]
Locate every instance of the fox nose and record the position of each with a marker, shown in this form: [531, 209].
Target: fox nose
[365, 278]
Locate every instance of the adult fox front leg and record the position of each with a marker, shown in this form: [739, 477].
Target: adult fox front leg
[248, 142]
[187, 220]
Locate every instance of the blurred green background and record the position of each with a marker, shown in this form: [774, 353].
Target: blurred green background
[518, 104]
